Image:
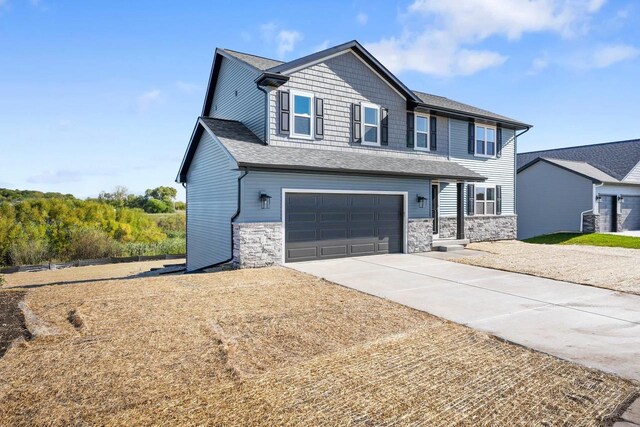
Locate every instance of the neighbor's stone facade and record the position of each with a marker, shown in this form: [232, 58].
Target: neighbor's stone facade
[419, 235]
[447, 227]
[485, 228]
[257, 244]
[591, 223]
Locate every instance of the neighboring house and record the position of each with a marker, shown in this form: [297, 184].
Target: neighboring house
[591, 188]
[330, 155]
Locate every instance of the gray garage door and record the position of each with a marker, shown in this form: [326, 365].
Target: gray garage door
[631, 213]
[321, 226]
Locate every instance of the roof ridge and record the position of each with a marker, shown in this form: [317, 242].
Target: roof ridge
[582, 146]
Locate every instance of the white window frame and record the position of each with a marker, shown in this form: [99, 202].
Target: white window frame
[415, 132]
[363, 124]
[292, 102]
[495, 200]
[495, 141]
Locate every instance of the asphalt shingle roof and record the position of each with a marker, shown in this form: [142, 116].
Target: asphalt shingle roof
[613, 158]
[449, 104]
[583, 168]
[259, 62]
[248, 150]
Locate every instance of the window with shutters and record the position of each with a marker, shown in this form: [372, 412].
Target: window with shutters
[485, 141]
[302, 114]
[485, 200]
[370, 124]
[421, 133]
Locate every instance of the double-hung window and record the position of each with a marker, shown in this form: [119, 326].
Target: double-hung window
[422, 133]
[485, 141]
[485, 201]
[370, 124]
[302, 117]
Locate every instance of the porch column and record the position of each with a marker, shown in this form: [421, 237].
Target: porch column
[460, 210]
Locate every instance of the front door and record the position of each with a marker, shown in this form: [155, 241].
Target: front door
[435, 205]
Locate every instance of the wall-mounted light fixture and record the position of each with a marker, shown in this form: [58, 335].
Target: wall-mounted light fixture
[265, 201]
[421, 199]
[598, 198]
[620, 198]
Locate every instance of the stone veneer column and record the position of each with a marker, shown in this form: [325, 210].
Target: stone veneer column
[257, 244]
[419, 235]
[591, 223]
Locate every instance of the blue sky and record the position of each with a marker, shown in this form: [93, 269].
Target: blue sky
[98, 94]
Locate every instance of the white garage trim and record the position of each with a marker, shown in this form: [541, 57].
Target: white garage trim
[405, 214]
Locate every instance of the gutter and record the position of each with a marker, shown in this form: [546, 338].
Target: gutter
[233, 218]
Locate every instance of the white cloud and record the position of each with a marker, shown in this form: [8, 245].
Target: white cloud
[605, 56]
[287, 40]
[147, 99]
[362, 18]
[539, 64]
[187, 87]
[322, 46]
[443, 38]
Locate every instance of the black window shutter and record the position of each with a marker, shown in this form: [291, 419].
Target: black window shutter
[433, 135]
[355, 123]
[471, 146]
[499, 142]
[498, 199]
[384, 126]
[283, 111]
[471, 199]
[319, 127]
[410, 128]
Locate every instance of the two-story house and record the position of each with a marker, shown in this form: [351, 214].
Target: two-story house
[330, 155]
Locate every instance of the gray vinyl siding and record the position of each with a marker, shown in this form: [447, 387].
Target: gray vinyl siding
[211, 202]
[634, 174]
[551, 199]
[499, 171]
[448, 200]
[248, 106]
[272, 183]
[341, 81]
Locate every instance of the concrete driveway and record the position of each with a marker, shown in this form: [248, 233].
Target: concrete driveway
[591, 326]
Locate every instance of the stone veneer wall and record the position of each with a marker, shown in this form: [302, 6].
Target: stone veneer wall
[591, 223]
[257, 244]
[448, 227]
[419, 235]
[484, 228]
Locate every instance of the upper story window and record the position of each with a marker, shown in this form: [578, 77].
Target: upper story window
[371, 124]
[422, 133]
[485, 201]
[485, 141]
[302, 117]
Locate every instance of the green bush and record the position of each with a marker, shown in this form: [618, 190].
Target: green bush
[172, 246]
[2, 281]
[173, 225]
[89, 243]
[28, 253]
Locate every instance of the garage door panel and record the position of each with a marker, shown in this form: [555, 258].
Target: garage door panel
[338, 225]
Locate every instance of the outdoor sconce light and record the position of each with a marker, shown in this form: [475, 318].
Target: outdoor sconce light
[598, 197]
[265, 201]
[421, 199]
[620, 198]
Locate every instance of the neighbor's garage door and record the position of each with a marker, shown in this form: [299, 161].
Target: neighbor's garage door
[320, 226]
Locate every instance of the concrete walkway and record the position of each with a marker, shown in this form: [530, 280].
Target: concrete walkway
[594, 327]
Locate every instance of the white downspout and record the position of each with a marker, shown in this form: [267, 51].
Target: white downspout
[593, 205]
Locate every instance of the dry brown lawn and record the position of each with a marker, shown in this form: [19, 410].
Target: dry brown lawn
[276, 347]
[617, 269]
[81, 274]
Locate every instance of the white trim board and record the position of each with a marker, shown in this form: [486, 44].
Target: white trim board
[405, 219]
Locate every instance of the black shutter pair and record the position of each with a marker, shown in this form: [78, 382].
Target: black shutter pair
[356, 123]
[284, 111]
[471, 199]
[433, 131]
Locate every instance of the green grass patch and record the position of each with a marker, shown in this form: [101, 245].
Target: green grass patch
[593, 239]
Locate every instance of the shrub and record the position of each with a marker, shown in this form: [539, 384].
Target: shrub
[173, 225]
[180, 206]
[156, 206]
[89, 243]
[2, 281]
[29, 252]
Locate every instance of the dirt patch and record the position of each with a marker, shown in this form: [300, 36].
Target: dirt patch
[610, 268]
[277, 347]
[12, 324]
